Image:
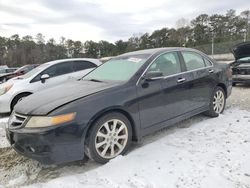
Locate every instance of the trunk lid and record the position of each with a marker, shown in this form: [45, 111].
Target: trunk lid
[241, 50]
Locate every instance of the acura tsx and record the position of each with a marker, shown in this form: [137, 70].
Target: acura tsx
[122, 100]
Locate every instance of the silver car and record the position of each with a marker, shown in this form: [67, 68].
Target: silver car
[44, 76]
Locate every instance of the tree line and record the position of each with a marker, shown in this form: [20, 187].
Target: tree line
[18, 51]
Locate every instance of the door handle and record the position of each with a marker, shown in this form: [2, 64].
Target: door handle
[211, 71]
[181, 80]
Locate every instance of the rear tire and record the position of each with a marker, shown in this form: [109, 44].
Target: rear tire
[108, 137]
[217, 102]
[17, 99]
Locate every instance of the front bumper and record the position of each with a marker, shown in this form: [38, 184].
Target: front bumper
[5, 101]
[52, 146]
[238, 78]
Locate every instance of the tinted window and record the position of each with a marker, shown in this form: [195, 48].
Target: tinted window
[193, 60]
[82, 65]
[56, 70]
[167, 63]
[9, 70]
[3, 71]
[59, 69]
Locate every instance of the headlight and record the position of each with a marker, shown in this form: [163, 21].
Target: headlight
[43, 121]
[4, 88]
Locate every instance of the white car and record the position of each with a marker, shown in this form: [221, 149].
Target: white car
[42, 77]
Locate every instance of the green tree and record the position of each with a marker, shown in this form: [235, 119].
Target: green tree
[91, 49]
[120, 47]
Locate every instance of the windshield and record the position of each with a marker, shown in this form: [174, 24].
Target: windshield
[20, 69]
[118, 69]
[34, 71]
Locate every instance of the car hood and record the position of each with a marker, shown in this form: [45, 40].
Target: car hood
[43, 102]
[17, 81]
[5, 74]
[241, 50]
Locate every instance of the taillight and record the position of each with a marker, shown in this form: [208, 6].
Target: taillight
[229, 72]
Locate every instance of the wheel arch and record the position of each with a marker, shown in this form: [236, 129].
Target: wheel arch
[223, 86]
[17, 95]
[135, 135]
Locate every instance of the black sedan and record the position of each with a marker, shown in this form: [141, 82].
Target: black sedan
[241, 65]
[124, 99]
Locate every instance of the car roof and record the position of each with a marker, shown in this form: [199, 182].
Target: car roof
[157, 50]
[95, 61]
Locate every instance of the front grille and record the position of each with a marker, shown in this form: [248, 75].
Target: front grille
[241, 71]
[16, 121]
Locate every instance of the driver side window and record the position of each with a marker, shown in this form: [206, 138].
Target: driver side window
[167, 63]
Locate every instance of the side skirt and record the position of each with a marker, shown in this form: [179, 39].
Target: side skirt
[172, 121]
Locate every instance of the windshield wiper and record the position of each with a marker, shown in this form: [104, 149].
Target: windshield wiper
[95, 80]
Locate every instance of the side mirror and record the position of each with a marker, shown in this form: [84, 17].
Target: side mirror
[44, 77]
[153, 75]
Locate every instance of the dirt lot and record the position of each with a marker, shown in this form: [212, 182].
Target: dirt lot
[16, 170]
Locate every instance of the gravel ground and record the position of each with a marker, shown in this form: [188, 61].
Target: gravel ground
[17, 170]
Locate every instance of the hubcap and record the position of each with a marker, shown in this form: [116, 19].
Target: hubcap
[218, 101]
[111, 138]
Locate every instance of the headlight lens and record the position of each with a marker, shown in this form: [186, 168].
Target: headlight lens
[43, 121]
[5, 88]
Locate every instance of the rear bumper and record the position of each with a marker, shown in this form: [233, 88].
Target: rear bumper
[229, 90]
[48, 147]
[241, 78]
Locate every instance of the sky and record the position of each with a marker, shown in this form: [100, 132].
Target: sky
[96, 20]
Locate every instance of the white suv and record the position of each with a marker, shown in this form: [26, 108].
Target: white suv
[45, 76]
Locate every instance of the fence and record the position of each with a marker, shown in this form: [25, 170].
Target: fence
[217, 48]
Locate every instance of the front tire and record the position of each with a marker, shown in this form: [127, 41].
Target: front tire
[108, 137]
[217, 102]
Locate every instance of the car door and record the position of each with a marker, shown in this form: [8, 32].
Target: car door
[201, 85]
[58, 74]
[162, 99]
[81, 68]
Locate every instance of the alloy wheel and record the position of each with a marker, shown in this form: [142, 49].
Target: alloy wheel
[219, 101]
[111, 138]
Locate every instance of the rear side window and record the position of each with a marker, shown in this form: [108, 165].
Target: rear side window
[82, 65]
[193, 60]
